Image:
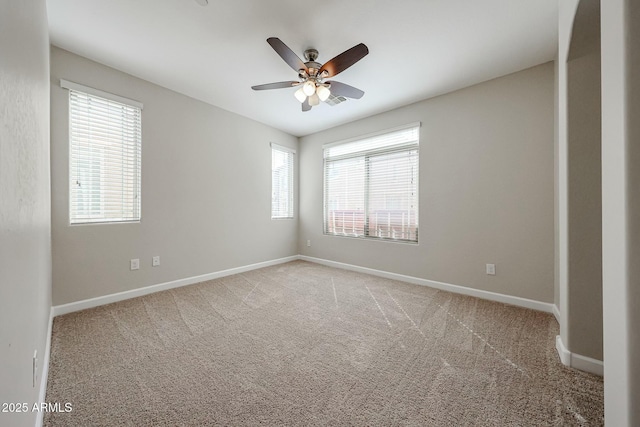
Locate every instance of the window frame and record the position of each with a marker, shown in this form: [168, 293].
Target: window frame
[366, 155]
[135, 174]
[291, 196]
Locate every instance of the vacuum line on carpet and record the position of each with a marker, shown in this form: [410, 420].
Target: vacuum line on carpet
[405, 313]
[571, 407]
[379, 308]
[335, 296]
[480, 338]
[254, 288]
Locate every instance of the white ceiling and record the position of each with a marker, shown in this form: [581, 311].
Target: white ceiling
[417, 48]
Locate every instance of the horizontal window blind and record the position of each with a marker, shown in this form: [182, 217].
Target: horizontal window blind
[281, 182]
[371, 186]
[104, 159]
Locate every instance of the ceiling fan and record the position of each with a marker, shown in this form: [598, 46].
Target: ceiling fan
[312, 75]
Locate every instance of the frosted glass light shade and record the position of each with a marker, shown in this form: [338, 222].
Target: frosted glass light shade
[309, 88]
[323, 93]
[300, 95]
[314, 100]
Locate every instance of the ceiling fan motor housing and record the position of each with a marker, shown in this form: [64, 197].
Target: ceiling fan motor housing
[312, 66]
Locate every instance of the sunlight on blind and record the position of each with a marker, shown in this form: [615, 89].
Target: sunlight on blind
[104, 165]
[281, 182]
[371, 186]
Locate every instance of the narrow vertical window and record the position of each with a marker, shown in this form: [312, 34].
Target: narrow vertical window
[281, 182]
[371, 186]
[105, 138]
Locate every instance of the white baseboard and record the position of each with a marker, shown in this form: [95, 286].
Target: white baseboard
[556, 313]
[492, 296]
[587, 364]
[120, 296]
[578, 361]
[565, 355]
[44, 376]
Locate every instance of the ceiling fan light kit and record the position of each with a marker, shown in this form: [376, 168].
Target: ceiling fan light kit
[314, 100]
[309, 87]
[311, 74]
[300, 95]
[323, 92]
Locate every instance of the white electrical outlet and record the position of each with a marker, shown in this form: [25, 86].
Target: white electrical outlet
[35, 367]
[155, 261]
[308, 243]
[491, 269]
[135, 264]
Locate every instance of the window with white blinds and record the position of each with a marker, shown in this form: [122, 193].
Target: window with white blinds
[104, 157]
[281, 182]
[371, 186]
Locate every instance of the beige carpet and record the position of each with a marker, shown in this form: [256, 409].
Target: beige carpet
[304, 344]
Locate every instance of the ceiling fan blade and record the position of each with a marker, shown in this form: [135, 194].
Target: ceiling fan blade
[345, 60]
[305, 105]
[341, 89]
[278, 85]
[286, 54]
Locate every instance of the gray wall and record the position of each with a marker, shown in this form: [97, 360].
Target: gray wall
[621, 210]
[566, 14]
[206, 192]
[486, 189]
[556, 181]
[584, 184]
[579, 179]
[25, 206]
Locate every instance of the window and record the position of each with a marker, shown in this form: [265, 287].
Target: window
[281, 182]
[371, 186]
[104, 156]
